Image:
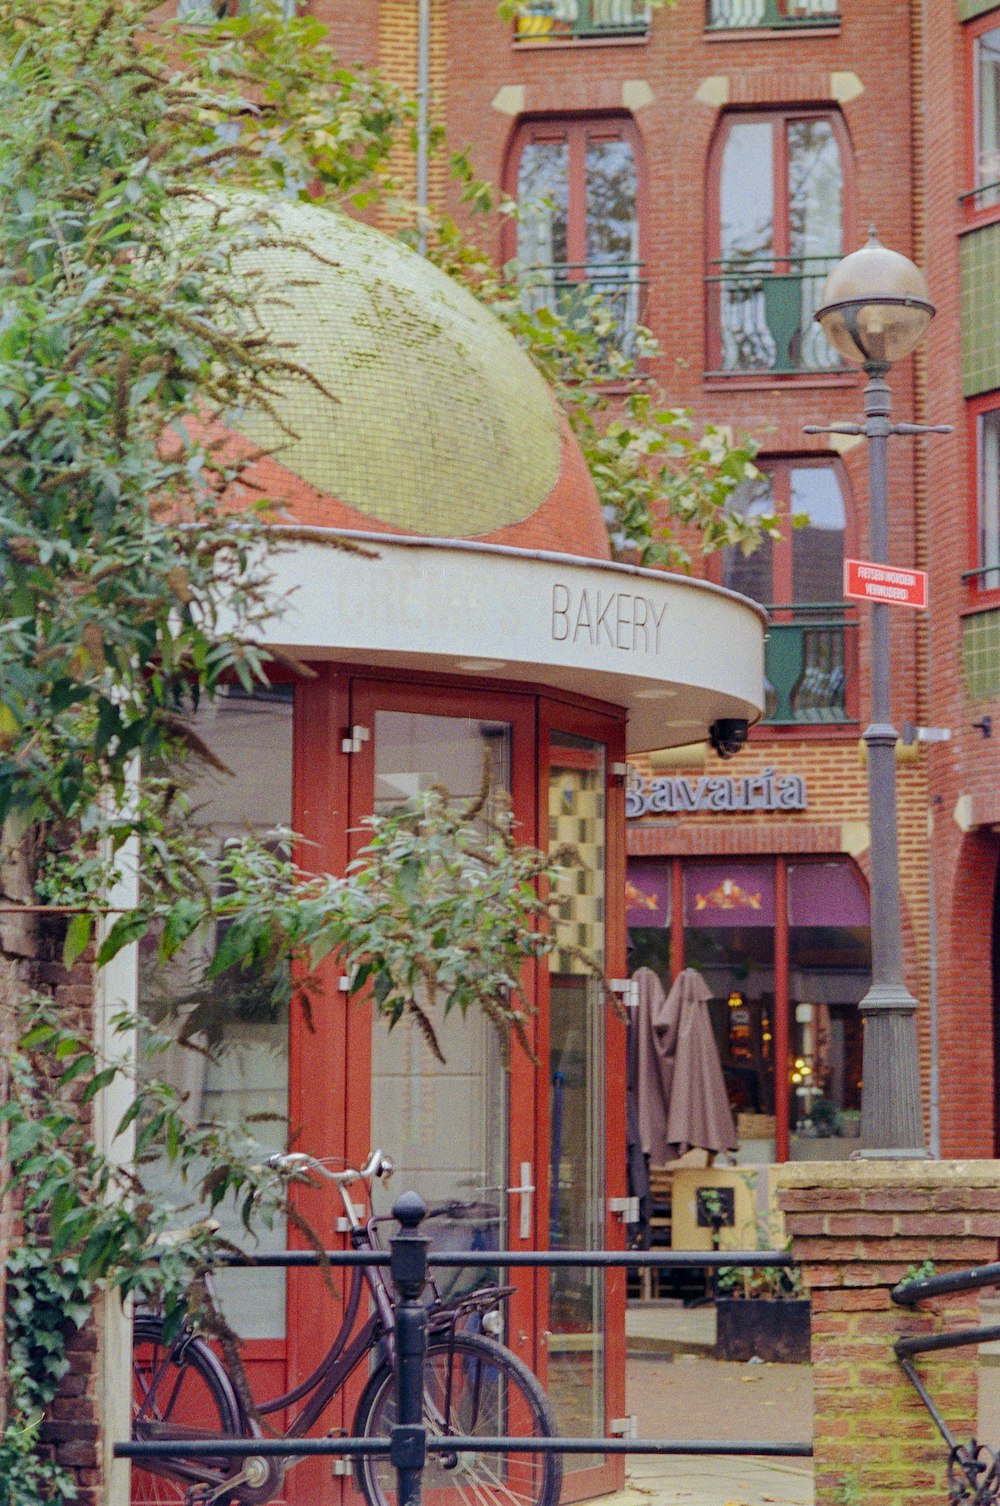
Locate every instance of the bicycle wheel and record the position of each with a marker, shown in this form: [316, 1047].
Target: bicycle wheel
[177, 1388]
[473, 1387]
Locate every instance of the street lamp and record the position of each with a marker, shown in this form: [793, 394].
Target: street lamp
[875, 310]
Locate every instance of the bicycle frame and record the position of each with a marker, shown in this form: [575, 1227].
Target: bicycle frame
[342, 1358]
[319, 1388]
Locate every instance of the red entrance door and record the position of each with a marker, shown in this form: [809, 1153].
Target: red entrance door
[463, 1133]
[533, 1152]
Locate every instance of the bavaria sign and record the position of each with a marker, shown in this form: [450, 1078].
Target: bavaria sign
[889, 583]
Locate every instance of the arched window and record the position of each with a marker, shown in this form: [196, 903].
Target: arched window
[811, 648]
[778, 208]
[577, 184]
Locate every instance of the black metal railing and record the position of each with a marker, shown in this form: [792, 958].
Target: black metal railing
[810, 657]
[579, 293]
[410, 1440]
[776, 15]
[577, 20]
[983, 196]
[973, 1467]
[761, 316]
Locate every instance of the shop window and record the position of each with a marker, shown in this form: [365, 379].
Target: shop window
[778, 209]
[829, 963]
[812, 639]
[729, 938]
[985, 571]
[983, 194]
[784, 946]
[576, 182]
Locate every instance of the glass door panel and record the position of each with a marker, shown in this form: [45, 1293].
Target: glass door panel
[230, 1058]
[577, 820]
[444, 1124]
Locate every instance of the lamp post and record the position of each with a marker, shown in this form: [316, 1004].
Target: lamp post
[875, 310]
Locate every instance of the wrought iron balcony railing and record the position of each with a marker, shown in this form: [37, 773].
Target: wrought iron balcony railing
[810, 660]
[561, 20]
[761, 316]
[577, 292]
[779, 15]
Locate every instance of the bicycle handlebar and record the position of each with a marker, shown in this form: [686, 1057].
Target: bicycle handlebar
[377, 1165]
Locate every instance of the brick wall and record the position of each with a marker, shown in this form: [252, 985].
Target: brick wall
[965, 773]
[71, 1430]
[855, 1231]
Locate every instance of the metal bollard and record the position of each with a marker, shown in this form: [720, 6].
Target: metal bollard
[408, 1442]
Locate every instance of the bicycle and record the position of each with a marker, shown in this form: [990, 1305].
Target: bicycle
[473, 1387]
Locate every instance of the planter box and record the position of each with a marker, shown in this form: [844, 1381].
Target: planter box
[770, 1329]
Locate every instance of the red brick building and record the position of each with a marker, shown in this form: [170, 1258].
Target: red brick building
[961, 212]
[704, 167]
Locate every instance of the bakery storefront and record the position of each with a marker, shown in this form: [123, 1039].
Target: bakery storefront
[782, 939]
[477, 619]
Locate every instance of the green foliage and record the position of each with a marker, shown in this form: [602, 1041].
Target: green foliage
[921, 1272]
[124, 316]
[136, 168]
[440, 911]
[47, 1301]
[759, 1234]
[663, 482]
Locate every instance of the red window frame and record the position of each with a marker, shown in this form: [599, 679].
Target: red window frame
[576, 131]
[976, 408]
[779, 120]
[779, 468]
[972, 212]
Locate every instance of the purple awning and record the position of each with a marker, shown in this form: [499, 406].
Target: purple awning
[826, 894]
[647, 893]
[729, 894]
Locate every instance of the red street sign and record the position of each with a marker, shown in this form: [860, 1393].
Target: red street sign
[901, 588]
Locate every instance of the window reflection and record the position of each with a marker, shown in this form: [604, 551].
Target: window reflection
[780, 230]
[989, 500]
[988, 117]
[234, 1068]
[578, 231]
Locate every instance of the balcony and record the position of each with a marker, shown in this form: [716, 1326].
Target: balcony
[810, 659]
[771, 15]
[761, 317]
[577, 293]
[581, 20]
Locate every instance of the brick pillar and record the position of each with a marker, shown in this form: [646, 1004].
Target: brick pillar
[855, 1229]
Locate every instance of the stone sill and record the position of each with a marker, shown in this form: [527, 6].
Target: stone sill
[864, 1174]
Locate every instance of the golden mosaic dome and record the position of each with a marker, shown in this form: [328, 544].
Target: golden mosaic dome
[433, 421]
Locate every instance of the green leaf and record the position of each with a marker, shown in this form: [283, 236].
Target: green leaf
[99, 1082]
[83, 1063]
[130, 927]
[78, 934]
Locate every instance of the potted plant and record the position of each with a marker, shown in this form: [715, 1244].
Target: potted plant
[535, 20]
[761, 1311]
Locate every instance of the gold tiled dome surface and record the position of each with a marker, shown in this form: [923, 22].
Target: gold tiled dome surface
[438, 422]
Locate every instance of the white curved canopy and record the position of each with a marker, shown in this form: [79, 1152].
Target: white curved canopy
[676, 653]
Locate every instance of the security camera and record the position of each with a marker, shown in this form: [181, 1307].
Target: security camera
[728, 735]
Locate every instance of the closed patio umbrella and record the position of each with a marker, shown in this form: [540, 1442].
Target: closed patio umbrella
[698, 1112]
[682, 1094]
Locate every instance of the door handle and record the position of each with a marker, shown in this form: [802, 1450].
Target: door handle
[524, 1190]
